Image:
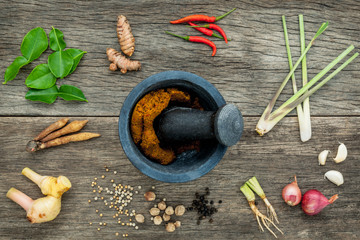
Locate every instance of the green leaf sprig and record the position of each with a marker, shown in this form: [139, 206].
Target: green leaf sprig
[42, 79]
[33, 45]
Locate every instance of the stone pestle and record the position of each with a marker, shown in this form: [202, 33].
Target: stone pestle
[187, 124]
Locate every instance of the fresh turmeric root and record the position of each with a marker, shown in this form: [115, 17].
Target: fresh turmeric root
[121, 62]
[47, 139]
[125, 36]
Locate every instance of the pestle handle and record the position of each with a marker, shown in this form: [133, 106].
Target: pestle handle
[186, 124]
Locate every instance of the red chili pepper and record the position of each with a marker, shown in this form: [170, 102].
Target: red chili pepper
[200, 18]
[205, 30]
[213, 26]
[197, 39]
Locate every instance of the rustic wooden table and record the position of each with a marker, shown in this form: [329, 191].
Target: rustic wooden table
[247, 71]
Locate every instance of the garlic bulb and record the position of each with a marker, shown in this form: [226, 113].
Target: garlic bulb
[322, 157]
[335, 177]
[341, 154]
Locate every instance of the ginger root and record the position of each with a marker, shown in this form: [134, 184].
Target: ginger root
[125, 36]
[121, 62]
[46, 208]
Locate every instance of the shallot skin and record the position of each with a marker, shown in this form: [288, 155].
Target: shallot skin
[314, 201]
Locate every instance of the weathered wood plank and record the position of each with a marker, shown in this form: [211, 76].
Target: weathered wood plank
[247, 70]
[274, 159]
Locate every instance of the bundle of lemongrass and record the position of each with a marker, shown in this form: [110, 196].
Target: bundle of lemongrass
[300, 99]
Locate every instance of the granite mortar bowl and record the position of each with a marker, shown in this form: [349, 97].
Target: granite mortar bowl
[189, 165]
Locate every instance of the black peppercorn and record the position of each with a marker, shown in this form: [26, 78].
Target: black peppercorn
[200, 204]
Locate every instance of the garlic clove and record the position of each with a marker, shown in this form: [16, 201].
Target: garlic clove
[335, 177]
[341, 154]
[322, 157]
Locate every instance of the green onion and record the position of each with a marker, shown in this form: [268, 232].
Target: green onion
[268, 119]
[250, 196]
[255, 186]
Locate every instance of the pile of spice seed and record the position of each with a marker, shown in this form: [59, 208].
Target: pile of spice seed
[163, 212]
[204, 207]
[114, 196]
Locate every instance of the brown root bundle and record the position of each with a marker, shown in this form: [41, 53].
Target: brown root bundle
[47, 138]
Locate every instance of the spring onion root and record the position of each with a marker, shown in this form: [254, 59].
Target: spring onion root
[255, 186]
[250, 196]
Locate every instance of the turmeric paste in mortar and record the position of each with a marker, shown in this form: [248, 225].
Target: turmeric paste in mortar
[142, 123]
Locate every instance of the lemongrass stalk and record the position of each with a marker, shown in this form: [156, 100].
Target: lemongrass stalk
[288, 106]
[299, 100]
[305, 135]
[317, 77]
[255, 186]
[271, 104]
[266, 124]
[302, 123]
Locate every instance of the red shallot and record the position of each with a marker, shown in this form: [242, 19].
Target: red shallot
[314, 201]
[291, 193]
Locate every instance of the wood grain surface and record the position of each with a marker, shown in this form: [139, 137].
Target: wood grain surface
[246, 71]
